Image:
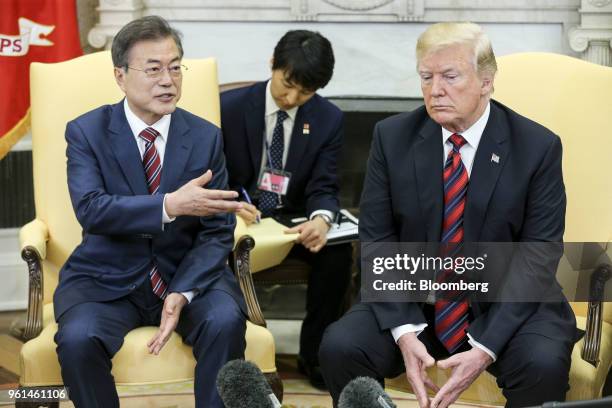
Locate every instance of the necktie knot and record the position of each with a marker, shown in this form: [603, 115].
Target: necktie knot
[149, 135]
[457, 141]
[281, 115]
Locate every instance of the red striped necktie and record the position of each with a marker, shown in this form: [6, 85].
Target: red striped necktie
[152, 166]
[451, 311]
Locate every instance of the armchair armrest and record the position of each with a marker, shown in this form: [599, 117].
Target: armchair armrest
[592, 338]
[33, 239]
[242, 269]
[34, 235]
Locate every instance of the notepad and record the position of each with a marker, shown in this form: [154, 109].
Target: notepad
[271, 243]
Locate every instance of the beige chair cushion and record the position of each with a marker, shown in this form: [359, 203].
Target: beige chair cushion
[133, 364]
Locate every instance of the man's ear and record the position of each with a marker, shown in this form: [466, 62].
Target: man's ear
[120, 77]
[271, 62]
[486, 83]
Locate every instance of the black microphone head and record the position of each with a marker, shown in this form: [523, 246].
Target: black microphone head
[241, 384]
[364, 392]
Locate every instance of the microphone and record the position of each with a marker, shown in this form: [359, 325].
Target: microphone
[241, 384]
[364, 392]
[602, 402]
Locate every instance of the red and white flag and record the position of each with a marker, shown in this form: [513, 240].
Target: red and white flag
[30, 31]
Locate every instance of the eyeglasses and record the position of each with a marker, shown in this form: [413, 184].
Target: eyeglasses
[175, 71]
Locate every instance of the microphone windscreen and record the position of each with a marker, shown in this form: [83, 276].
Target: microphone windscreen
[364, 392]
[241, 384]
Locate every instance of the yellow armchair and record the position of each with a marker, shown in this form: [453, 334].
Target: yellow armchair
[572, 98]
[59, 93]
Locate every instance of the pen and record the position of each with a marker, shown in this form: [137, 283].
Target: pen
[337, 218]
[248, 200]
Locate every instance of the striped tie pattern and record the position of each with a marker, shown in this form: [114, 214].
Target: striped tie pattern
[268, 200]
[152, 167]
[451, 312]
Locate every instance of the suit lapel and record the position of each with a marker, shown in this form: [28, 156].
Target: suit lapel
[492, 154]
[299, 141]
[255, 122]
[126, 151]
[178, 149]
[428, 166]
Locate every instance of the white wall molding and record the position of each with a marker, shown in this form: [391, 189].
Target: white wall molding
[373, 39]
[114, 14]
[593, 37]
[508, 11]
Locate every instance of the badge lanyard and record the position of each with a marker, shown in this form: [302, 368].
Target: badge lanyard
[280, 197]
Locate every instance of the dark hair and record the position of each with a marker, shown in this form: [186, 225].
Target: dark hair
[306, 57]
[145, 28]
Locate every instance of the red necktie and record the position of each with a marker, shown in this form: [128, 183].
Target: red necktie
[152, 166]
[451, 312]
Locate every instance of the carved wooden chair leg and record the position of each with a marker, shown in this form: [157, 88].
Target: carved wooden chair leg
[592, 338]
[24, 404]
[276, 384]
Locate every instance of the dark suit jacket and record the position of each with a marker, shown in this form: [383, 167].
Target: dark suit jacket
[521, 198]
[122, 223]
[312, 158]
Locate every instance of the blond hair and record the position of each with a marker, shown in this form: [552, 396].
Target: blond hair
[442, 35]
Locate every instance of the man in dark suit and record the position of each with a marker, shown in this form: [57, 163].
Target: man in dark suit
[281, 127]
[155, 241]
[463, 168]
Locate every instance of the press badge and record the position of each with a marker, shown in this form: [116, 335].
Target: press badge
[274, 181]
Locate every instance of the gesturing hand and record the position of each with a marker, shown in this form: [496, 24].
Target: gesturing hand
[416, 361]
[466, 367]
[193, 199]
[169, 319]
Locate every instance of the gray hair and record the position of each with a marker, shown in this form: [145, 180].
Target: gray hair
[145, 28]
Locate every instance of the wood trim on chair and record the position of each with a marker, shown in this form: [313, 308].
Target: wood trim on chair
[242, 270]
[235, 85]
[34, 318]
[592, 338]
[276, 384]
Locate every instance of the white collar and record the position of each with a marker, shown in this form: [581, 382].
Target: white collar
[138, 125]
[472, 134]
[272, 107]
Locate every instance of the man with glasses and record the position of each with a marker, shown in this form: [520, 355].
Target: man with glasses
[147, 182]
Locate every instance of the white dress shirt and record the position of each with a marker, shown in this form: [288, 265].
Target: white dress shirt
[137, 125]
[270, 122]
[468, 151]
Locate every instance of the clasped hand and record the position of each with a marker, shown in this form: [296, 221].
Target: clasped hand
[466, 367]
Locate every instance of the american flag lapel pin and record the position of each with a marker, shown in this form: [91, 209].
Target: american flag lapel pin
[306, 129]
[495, 158]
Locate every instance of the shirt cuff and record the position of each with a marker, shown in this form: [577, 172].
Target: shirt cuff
[322, 212]
[474, 343]
[165, 217]
[399, 331]
[188, 295]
